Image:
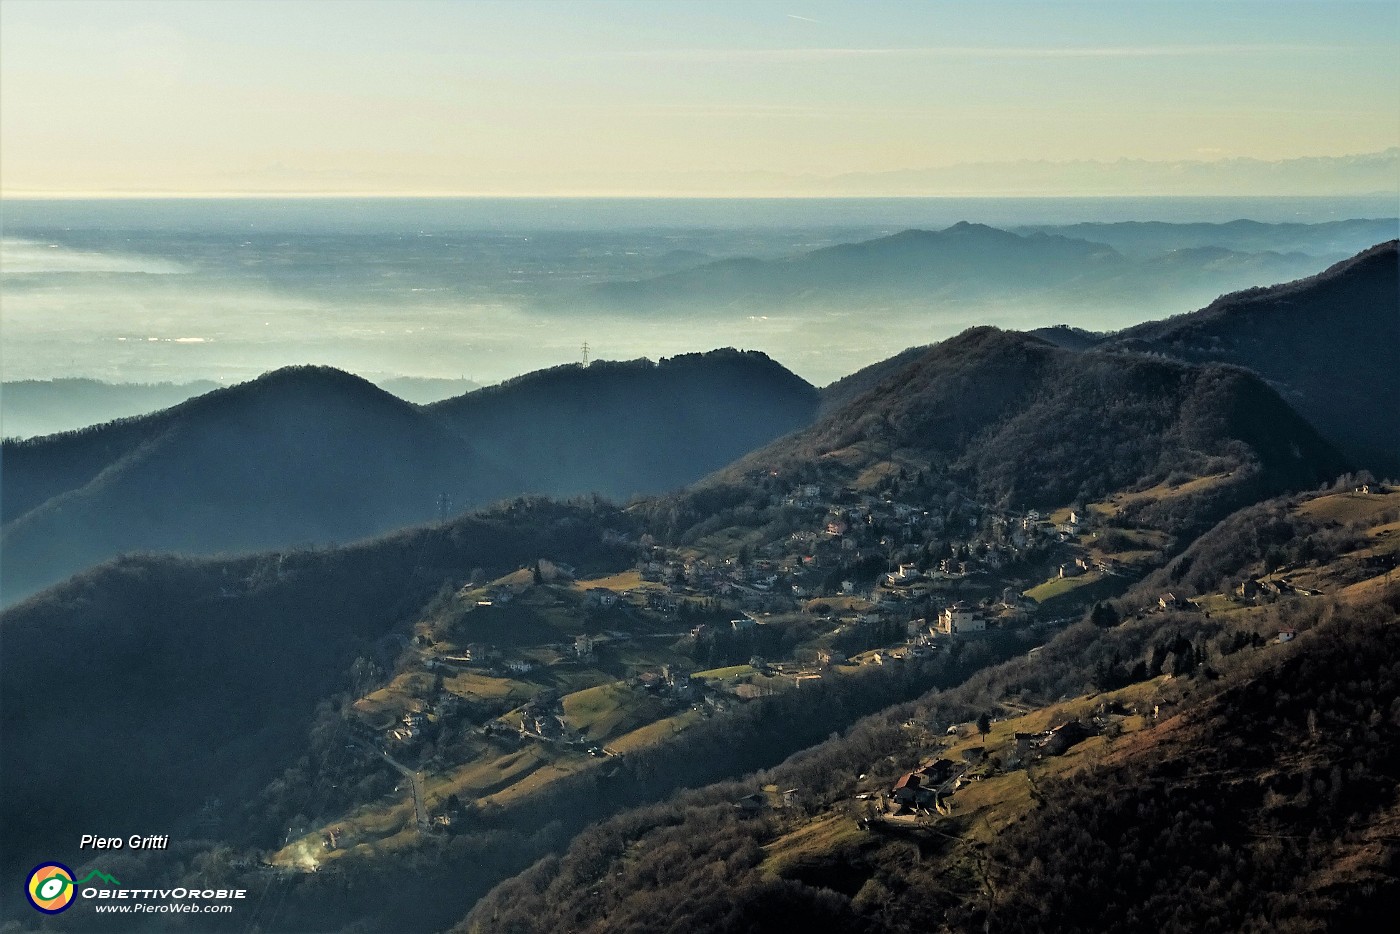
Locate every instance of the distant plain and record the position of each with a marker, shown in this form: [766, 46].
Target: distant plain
[184, 290]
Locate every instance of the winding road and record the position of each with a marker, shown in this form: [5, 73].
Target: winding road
[420, 801]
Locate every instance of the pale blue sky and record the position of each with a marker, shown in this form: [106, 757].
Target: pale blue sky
[661, 97]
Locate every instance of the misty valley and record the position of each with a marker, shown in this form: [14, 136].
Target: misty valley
[133, 292]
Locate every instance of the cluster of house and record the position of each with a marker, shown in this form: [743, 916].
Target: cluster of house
[1083, 565]
[924, 790]
[411, 729]
[898, 593]
[1265, 590]
[411, 724]
[481, 655]
[1052, 742]
[755, 585]
[762, 801]
[853, 528]
[671, 681]
[986, 547]
[915, 792]
[543, 719]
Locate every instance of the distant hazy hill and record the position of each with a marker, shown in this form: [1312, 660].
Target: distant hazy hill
[966, 263]
[314, 455]
[963, 261]
[1031, 424]
[1330, 343]
[1146, 238]
[1186, 278]
[33, 407]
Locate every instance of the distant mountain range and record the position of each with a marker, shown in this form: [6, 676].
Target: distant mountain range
[966, 260]
[1146, 238]
[973, 264]
[315, 455]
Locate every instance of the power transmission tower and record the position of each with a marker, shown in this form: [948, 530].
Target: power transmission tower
[585, 354]
[444, 506]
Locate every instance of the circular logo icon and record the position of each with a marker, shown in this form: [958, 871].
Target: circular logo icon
[50, 888]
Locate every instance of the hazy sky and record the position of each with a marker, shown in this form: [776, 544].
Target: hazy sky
[658, 97]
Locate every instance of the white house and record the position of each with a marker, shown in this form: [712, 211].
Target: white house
[905, 574]
[957, 619]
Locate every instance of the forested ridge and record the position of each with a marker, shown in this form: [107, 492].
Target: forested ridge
[1015, 421]
[313, 455]
[1330, 343]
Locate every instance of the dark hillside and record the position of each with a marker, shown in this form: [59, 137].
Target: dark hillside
[315, 455]
[306, 454]
[1330, 343]
[850, 387]
[198, 680]
[626, 428]
[1029, 424]
[37, 469]
[1269, 807]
